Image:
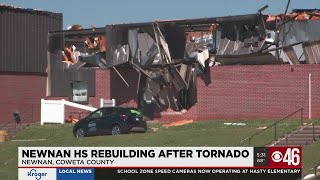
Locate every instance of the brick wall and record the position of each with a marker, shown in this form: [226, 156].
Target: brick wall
[255, 92]
[235, 92]
[21, 92]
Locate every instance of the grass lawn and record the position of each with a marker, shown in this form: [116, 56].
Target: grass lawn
[209, 133]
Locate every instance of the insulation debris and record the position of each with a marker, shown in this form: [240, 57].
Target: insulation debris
[71, 119]
[178, 123]
[297, 14]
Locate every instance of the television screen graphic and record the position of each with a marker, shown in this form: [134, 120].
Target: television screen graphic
[99, 163]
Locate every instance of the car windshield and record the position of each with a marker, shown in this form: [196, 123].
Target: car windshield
[97, 114]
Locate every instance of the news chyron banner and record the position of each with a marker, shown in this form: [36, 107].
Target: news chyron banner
[128, 163]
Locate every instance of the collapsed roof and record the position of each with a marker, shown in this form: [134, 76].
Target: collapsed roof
[168, 55]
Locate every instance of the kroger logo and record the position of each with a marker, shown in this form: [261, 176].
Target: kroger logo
[36, 175]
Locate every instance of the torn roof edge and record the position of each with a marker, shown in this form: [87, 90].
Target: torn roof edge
[205, 20]
[30, 10]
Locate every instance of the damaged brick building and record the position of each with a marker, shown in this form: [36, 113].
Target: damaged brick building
[200, 69]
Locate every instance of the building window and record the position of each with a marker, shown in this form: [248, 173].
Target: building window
[79, 92]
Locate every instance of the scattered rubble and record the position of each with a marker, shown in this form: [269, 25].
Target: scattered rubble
[235, 124]
[178, 123]
[154, 129]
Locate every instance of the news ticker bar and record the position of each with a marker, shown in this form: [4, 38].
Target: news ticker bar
[159, 157]
[156, 173]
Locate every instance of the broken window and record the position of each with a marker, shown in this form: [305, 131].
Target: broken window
[79, 92]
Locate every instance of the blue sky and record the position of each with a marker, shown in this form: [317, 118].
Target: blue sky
[102, 12]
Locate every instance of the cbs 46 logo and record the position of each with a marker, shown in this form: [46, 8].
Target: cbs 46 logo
[291, 156]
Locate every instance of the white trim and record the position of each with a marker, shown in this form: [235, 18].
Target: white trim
[53, 111]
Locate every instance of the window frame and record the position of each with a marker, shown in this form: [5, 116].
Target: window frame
[72, 96]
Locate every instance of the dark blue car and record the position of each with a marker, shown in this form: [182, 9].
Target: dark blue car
[110, 120]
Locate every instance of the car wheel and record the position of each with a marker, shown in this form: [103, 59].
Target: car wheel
[80, 133]
[116, 130]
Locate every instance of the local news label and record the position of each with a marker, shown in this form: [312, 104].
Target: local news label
[118, 157]
[75, 173]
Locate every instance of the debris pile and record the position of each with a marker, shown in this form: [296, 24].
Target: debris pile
[178, 123]
[169, 55]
